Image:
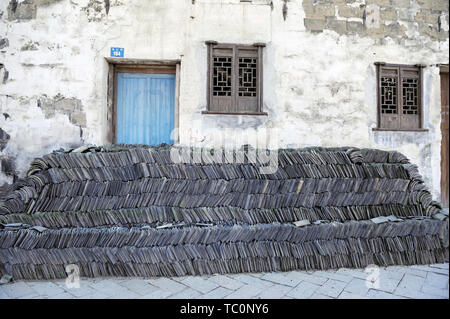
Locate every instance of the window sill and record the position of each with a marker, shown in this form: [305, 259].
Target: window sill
[234, 113]
[400, 130]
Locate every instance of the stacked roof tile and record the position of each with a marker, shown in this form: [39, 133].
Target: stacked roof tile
[132, 211]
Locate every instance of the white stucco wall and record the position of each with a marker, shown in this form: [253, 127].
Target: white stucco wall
[319, 88]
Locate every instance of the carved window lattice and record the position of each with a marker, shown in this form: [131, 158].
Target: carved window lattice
[399, 96]
[247, 76]
[388, 95]
[234, 79]
[410, 96]
[222, 67]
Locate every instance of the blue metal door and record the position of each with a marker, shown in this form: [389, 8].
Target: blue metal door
[145, 108]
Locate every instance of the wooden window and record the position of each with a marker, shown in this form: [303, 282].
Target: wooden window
[234, 79]
[399, 97]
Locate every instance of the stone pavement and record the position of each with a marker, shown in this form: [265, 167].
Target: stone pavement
[396, 282]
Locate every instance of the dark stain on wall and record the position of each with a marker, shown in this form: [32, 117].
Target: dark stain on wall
[71, 107]
[25, 10]
[107, 5]
[4, 43]
[4, 139]
[5, 75]
[8, 167]
[7, 164]
[13, 5]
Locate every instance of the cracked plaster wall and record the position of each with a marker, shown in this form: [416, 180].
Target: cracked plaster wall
[319, 76]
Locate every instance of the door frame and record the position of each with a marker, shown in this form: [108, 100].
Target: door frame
[116, 65]
[443, 69]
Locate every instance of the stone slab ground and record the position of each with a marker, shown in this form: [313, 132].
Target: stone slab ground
[396, 282]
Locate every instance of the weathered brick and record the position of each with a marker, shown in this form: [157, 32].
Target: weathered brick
[315, 24]
[355, 27]
[395, 29]
[325, 10]
[373, 16]
[426, 16]
[44, 2]
[401, 3]
[308, 7]
[70, 104]
[441, 5]
[350, 12]
[378, 2]
[25, 10]
[432, 32]
[337, 25]
[406, 15]
[389, 14]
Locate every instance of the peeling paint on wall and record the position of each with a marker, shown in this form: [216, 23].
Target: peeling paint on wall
[4, 138]
[30, 46]
[97, 10]
[7, 165]
[71, 107]
[4, 43]
[4, 74]
[377, 19]
[25, 10]
[319, 76]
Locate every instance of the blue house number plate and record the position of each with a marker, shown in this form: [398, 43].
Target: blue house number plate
[117, 52]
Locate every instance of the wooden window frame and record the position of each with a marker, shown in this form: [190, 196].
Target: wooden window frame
[258, 47]
[399, 69]
[116, 65]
